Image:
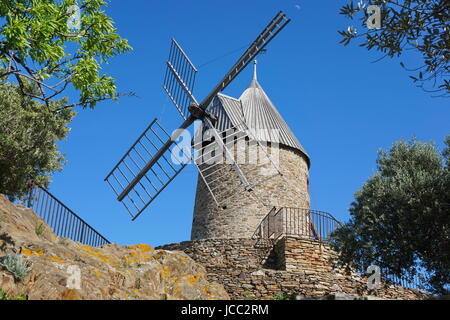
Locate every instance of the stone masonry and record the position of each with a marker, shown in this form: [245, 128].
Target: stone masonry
[252, 269]
[245, 211]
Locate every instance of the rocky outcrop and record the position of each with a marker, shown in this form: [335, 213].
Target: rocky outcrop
[64, 269]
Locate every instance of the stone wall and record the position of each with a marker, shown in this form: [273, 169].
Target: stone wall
[245, 210]
[251, 269]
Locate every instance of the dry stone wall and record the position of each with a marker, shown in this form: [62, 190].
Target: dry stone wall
[251, 269]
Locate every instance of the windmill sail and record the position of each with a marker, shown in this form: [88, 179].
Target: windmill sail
[233, 154]
[136, 196]
[216, 164]
[272, 29]
[137, 184]
[180, 79]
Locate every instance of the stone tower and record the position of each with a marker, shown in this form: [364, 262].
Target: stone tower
[243, 214]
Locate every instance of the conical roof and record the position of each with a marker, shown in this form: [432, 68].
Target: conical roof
[256, 112]
[263, 118]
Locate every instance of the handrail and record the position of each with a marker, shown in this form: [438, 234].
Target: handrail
[290, 221]
[316, 225]
[63, 221]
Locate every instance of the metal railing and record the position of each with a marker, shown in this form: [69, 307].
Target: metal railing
[297, 222]
[416, 281]
[318, 225]
[63, 221]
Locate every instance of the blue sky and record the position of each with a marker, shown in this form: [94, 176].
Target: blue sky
[341, 105]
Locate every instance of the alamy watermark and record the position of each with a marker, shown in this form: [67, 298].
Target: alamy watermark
[374, 19]
[74, 279]
[73, 19]
[374, 280]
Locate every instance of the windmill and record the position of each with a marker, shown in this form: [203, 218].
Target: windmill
[149, 166]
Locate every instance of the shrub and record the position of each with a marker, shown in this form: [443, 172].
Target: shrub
[5, 296]
[17, 265]
[29, 134]
[39, 229]
[281, 296]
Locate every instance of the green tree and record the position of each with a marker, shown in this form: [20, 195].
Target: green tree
[400, 219]
[47, 47]
[58, 44]
[420, 27]
[28, 137]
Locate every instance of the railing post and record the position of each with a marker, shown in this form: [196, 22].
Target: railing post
[30, 194]
[315, 225]
[63, 221]
[82, 232]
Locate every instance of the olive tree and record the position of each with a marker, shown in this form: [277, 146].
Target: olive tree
[400, 219]
[406, 28]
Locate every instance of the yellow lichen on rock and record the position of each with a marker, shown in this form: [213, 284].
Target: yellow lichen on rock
[165, 272]
[144, 248]
[96, 273]
[96, 253]
[56, 259]
[193, 279]
[66, 270]
[140, 253]
[29, 253]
